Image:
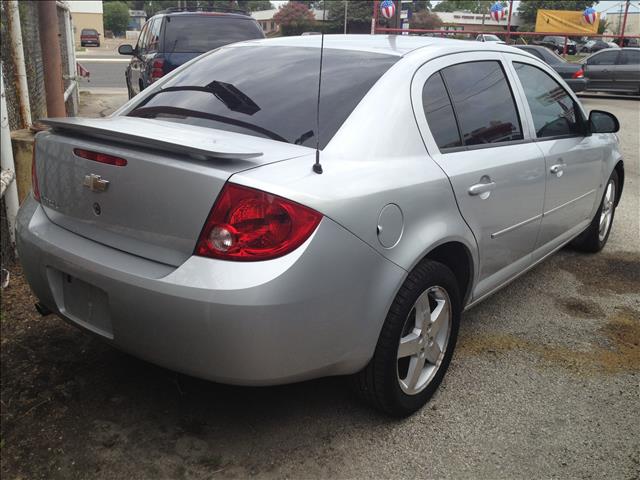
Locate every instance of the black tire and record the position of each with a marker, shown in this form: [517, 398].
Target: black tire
[378, 383]
[590, 240]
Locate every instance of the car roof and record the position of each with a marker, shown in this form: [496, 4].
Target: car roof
[397, 45]
[203, 14]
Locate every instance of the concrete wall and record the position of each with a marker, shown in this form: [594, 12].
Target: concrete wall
[87, 20]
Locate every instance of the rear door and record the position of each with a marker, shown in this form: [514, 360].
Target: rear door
[628, 70]
[469, 119]
[600, 70]
[573, 158]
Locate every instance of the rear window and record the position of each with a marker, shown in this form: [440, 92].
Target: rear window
[201, 33]
[86, 31]
[269, 91]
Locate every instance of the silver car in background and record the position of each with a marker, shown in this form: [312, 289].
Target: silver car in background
[191, 228]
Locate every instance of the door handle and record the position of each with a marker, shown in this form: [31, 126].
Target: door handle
[557, 169]
[480, 188]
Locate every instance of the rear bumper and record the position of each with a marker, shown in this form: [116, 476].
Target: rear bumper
[577, 84]
[315, 312]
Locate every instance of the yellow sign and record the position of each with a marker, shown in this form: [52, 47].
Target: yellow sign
[564, 21]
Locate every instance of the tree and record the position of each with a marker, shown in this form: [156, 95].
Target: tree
[359, 13]
[254, 5]
[426, 20]
[116, 17]
[473, 6]
[528, 10]
[294, 18]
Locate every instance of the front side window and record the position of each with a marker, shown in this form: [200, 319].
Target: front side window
[604, 58]
[141, 46]
[630, 57]
[153, 42]
[268, 91]
[439, 113]
[483, 103]
[554, 111]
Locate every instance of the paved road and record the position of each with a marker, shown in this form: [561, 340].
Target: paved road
[544, 384]
[107, 72]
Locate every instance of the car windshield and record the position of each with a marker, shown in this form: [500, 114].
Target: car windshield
[268, 91]
[492, 38]
[552, 58]
[201, 33]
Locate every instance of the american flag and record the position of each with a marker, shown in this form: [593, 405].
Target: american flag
[497, 11]
[387, 8]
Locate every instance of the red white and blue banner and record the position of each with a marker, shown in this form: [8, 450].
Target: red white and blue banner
[497, 11]
[387, 8]
[590, 15]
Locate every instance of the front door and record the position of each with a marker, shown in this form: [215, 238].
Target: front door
[599, 70]
[573, 158]
[474, 132]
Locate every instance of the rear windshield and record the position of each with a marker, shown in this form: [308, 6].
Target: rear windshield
[88, 32]
[201, 33]
[269, 91]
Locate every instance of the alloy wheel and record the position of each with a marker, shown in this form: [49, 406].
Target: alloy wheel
[424, 340]
[606, 214]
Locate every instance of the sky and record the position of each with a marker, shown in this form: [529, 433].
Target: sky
[608, 5]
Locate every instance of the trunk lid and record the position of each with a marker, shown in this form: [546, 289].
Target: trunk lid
[156, 205]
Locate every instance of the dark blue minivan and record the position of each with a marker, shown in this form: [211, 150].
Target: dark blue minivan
[173, 37]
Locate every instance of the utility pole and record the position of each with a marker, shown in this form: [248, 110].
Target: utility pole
[51, 58]
[624, 22]
[346, 6]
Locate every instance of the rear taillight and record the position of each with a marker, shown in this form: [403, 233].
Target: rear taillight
[100, 157]
[249, 225]
[34, 176]
[578, 74]
[157, 69]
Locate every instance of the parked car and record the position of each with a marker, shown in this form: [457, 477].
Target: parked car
[593, 46]
[556, 44]
[489, 39]
[200, 229]
[89, 36]
[613, 70]
[174, 36]
[571, 73]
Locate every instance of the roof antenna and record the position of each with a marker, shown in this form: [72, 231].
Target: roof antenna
[317, 167]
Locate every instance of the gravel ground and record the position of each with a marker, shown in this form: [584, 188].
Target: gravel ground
[545, 383]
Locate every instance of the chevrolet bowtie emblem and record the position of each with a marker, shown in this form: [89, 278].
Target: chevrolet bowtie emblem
[95, 183]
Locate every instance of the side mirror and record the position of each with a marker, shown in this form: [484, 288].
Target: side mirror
[603, 122]
[125, 49]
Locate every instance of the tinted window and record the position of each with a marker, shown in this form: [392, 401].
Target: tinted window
[268, 91]
[201, 33]
[141, 46]
[88, 31]
[153, 41]
[554, 111]
[439, 113]
[630, 57]
[483, 103]
[604, 58]
[533, 52]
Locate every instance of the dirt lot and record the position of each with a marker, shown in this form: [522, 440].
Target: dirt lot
[545, 383]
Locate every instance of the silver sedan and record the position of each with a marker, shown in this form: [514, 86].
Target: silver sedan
[219, 224]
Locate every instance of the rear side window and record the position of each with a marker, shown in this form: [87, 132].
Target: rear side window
[604, 58]
[483, 103]
[269, 91]
[201, 33]
[630, 57]
[439, 113]
[554, 111]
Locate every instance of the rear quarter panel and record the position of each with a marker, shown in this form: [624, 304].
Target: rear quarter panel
[376, 158]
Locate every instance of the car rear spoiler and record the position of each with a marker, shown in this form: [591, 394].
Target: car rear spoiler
[159, 135]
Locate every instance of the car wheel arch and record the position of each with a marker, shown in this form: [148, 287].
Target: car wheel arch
[619, 168]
